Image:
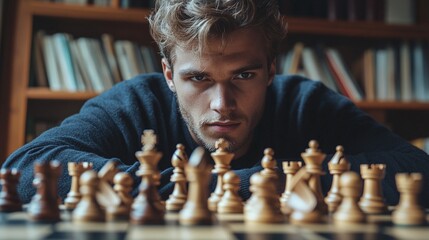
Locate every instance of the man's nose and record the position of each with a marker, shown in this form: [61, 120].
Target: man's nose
[223, 99]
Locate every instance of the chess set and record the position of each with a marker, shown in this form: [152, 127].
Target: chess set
[100, 206]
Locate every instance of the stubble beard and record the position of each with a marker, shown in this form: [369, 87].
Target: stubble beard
[196, 130]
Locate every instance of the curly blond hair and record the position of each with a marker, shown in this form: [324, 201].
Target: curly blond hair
[192, 23]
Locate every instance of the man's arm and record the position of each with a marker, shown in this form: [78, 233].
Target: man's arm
[108, 127]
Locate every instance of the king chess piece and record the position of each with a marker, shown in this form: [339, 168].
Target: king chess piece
[147, 207]
[313, 159]
[222, 159]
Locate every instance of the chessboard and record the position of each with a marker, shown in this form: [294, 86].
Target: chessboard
[18, 225]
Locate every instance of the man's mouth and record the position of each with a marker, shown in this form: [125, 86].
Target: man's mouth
[223, 126]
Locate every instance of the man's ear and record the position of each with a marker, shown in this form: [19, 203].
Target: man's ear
[272, 71]
[168, 74]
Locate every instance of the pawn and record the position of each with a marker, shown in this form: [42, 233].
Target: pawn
[123, 186]
[178, 198]
[88, 209]
[264, 205]
[231, 202]
[145, 208]
[349, 211]
[44, 204]
[409, 212]
[269, 164]
[9, 198]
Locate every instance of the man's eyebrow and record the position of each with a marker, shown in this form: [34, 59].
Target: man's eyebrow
[195, 72]
[248, 67]
[191, 72]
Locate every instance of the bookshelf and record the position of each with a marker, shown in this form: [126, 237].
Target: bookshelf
[405, 118]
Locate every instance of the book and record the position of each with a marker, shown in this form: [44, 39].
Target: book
[390, 71]
[65, 63]
[313, 68]
[296, 58]
[38, 60]
[149, 59]
[108, 47]
[381, 74]
[123, 61]
[400, 12]
[369, 74]
[80, 66]
[355, 10]
[351, 89]
[420, 82]
[86, 49]
[374, 10]
[406, 77]
[101, 63]
[51, 65]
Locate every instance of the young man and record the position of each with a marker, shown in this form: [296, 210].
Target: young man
[218, 80]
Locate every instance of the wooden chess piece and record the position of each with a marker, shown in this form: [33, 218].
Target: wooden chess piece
[106, 196]
[409, 212]
[141, 209]
[349, 211]
[196, 211]
[222, 159]
[372, 201]
[75, 171]
[264, 205]
[313, 159]
[289, 168]
[337, 166]
[144, 209]
[303, 200]
[123, 187]
[177, 199]
[269, 164]
[88, 209]
[149, 158]
[44, 204]
[9, 198]
[231, 202]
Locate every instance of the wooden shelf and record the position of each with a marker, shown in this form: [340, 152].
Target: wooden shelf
[88, 12]
[356, 29]
[393, 105]
[296, 25]
[46, 94]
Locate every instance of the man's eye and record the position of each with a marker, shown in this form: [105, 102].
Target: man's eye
[198, 78]
[245, 75]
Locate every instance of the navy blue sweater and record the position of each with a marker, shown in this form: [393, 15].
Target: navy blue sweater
[109, 127]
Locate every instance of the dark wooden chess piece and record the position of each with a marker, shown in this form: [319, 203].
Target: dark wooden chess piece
[44, 205]
[9, 198]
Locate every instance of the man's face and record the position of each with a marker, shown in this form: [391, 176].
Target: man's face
[221, 91]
